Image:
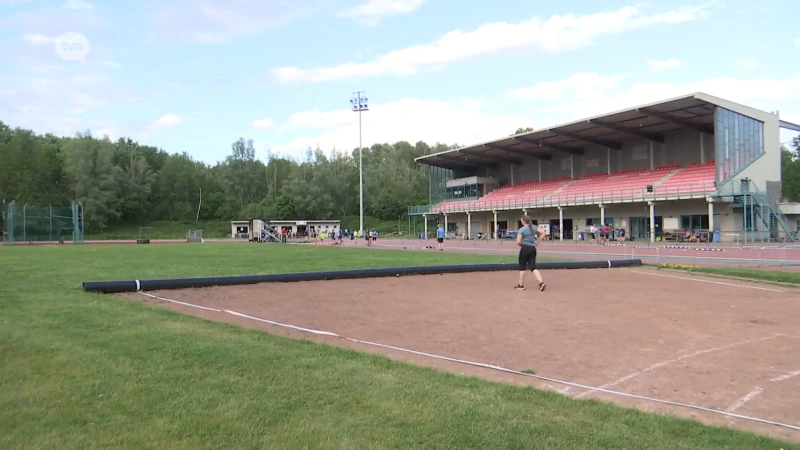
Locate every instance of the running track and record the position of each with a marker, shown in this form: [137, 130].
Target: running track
[774, 256]
[742, 256]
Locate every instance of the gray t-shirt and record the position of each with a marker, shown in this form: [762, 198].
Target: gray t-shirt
[529, 237]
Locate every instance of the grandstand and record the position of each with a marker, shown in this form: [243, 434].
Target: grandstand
[693, 165]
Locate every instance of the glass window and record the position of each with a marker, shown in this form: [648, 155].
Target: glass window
[738, 141]
[695, 222]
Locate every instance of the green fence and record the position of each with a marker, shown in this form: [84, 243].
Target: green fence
[29, 223]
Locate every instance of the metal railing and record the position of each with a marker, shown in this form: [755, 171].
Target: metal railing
[631, 195]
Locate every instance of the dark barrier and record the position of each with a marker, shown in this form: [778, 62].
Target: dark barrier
[110, 287]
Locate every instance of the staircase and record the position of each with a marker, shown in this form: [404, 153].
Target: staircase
[770, 213]
[269, 233]
[766, 210]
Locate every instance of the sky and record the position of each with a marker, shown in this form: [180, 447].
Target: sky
[195, 75]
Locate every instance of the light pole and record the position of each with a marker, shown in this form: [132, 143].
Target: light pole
[359, 104]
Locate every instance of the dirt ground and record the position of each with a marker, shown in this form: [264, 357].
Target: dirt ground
[709, 342]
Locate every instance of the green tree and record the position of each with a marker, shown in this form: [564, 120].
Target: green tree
[284, 208]
[522, 130]
[96, 181]
[790, 171]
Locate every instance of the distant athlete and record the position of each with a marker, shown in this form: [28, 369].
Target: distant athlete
[440, 237]
[527, 238]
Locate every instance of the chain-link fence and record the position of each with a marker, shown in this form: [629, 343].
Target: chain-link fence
[36, 223]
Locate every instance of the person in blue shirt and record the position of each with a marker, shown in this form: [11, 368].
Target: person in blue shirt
[440, 237]
[528, 237]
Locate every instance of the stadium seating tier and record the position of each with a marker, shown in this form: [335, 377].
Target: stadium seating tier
[694, 178]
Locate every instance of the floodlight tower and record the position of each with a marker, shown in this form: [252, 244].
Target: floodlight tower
[359, 104]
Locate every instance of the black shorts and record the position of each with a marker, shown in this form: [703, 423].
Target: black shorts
[527, 258]
[440, 240]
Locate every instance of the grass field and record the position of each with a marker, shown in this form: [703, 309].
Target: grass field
[86, 371]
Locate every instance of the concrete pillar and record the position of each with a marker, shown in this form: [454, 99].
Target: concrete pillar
[710, 219]
[652, 222]
[571, 167]
[469, 225]
[560, 223]
[495, 225]
[445, 224]
[540, 171]
[703, 153]
[602, 214]
[652, 152]
[425, 224]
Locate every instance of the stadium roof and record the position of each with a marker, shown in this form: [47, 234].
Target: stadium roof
[651, 122]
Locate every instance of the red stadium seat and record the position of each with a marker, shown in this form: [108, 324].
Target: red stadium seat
[695, 178]
[630, 183]
[619, 185]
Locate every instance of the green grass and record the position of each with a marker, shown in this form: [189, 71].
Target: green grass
[780, 276]
[86, 371]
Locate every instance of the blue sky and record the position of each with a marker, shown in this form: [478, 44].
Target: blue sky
[196, 75]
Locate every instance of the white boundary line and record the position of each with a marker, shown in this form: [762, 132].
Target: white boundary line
[655, 366]
[493, 367]
[180, 303]
[750, 396]
[758, 390]
[785, 377]
[701, 280]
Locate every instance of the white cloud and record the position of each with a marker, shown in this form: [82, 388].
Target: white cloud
[77, 5]
[49, 100]
[371, 12]
[460, 121]
[166, 121]
[468, 121]
[588, 94]
[263, 123]
[580, 85]
[556, 34]
[111, 64]
[38, 39]
[657, 66]
[747, 64]
[213, 21]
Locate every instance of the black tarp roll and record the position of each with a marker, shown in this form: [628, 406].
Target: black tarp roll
[110, 287]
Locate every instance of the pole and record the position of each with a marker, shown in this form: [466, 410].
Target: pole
[360, 175]
[359, 104]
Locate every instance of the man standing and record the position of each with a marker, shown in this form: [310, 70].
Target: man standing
[440, 237]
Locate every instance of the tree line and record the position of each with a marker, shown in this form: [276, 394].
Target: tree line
[124, 181]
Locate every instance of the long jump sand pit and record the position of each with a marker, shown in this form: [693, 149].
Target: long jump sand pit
[720, 344]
